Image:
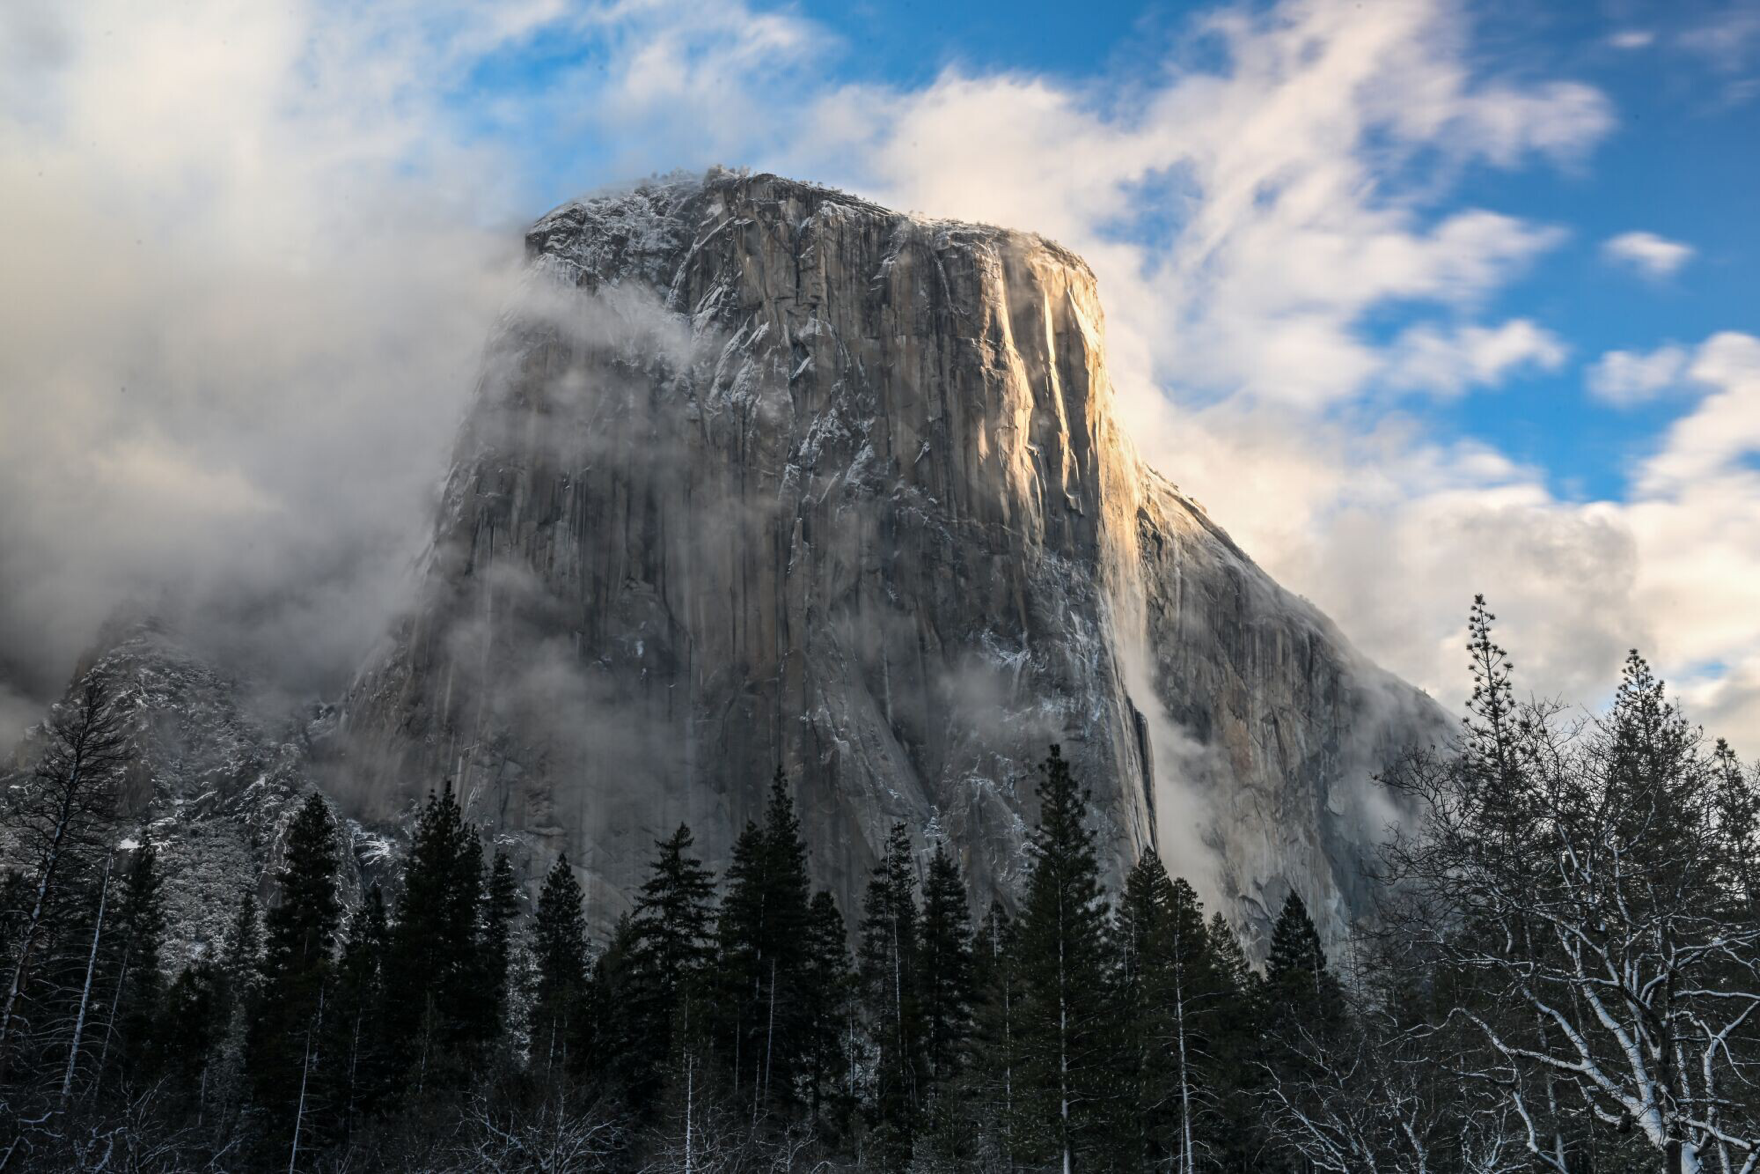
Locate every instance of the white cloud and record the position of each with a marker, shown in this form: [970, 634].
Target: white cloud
[1708, 443]
[1626, 378]
[1248, 217]
[1649, 254]
[1448, 362]
[1632, 39]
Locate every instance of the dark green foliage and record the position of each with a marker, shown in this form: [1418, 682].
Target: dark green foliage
[360, 1075]
[994, 1067]
[300, 938]
[762, 938]
[888, 955]
[439, 1011]
[662, 995]
[139, 985]
[559, 952]
[944, 976]
[1301, 993]
[1069, 1040]
[500, 912]
[190, 1028]
[831, 981]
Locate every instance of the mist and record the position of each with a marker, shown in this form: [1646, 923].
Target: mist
[240, 330]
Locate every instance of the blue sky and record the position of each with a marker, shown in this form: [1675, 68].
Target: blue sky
[1682, 162]
[1419, 297]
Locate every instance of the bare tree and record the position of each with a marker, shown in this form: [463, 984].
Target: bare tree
[61, 821]
[1382, 1100]
[1579, 891]
[553, 1137]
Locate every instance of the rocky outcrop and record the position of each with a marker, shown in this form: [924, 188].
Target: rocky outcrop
[210, 784]
[760, 473]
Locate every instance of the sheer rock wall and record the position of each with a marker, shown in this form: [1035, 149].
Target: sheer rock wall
[761, 474]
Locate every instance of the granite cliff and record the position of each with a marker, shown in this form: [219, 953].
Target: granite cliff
[760, 473]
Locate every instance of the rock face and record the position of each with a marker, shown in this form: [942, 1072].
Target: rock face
[210, 785]
[762, 474]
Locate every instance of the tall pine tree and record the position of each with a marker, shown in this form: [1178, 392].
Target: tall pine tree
[500, 911]
[762, 935]
[993, 1068]
[945, 972]
[559, 954]
[437, 1014]
[831, 980]
[888, 956]
[300, 937]
[1301, 993]
[666, 971]
[1068, 1030]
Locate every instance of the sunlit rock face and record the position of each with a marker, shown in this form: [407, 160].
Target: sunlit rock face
[761, 474]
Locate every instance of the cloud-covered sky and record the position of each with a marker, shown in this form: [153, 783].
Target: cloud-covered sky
[1419, 297]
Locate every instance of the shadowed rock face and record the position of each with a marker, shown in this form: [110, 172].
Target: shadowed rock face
[761, 474]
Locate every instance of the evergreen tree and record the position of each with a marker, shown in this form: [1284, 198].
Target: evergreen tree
[1170, 998]
[360, 1079]
[888, 958]
[1068, 1034]
[139, 985]
[761, 935]
[241, 965]
[189, 1033]
[944, 979]
[296, 967]
[993, 1068]
[559, 952]
[1145, 911]
[831, 980]
[1301, 993]
[438, 1014]
[667, 963]
[945, 995]
[500, 911]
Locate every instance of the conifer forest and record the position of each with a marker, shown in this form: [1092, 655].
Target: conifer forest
[1562, 975]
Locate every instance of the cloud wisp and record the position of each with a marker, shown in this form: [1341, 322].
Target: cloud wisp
[1646, 253]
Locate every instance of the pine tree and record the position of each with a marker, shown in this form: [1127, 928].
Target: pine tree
[668, 957]
[359, 1082]
[945, 995]
[189, 1033]
[1170, 995]
[1149, 1015]
[296, 969]
[559, 951]
[761, 937]
[1068, 1035]
[138, 983]
[831, 980]
[1235, 1051]
[437, 1014]
[888, 957]
[993, 1067]
[500, 911]
[1301, 993]
[944, 978]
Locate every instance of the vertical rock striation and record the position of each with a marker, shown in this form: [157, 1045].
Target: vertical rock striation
[760, 473]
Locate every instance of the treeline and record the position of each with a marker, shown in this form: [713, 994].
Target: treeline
[1564, 976]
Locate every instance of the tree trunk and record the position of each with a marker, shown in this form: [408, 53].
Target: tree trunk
[85, 994]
